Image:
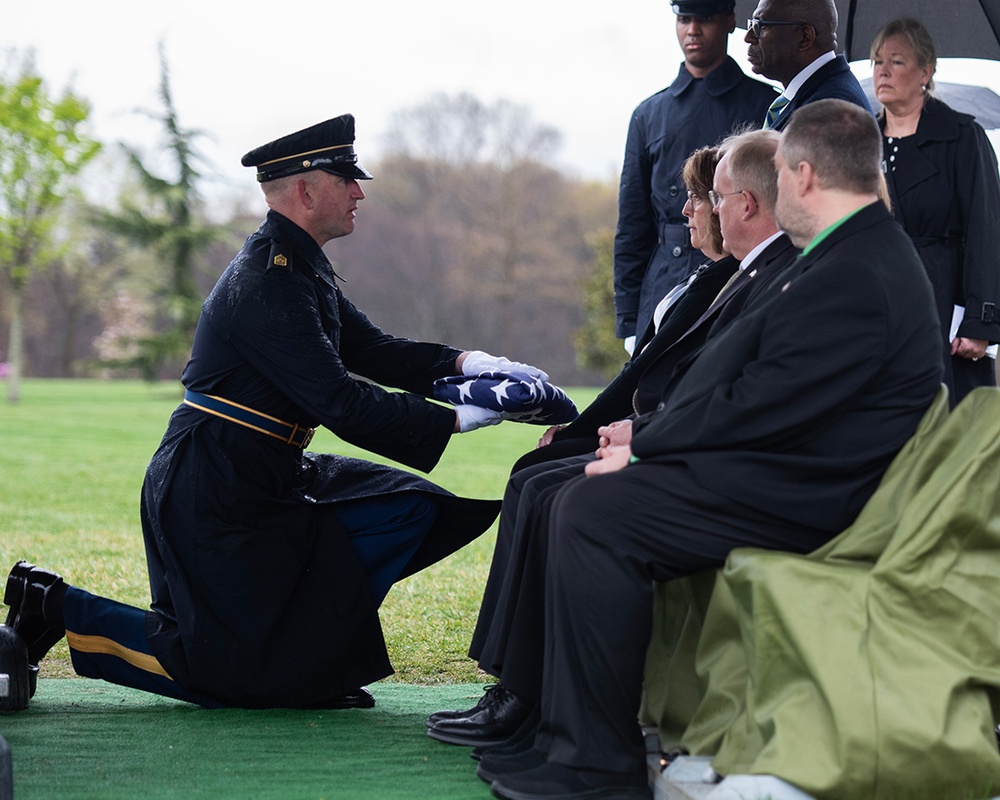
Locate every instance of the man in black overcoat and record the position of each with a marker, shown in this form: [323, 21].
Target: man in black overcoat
[774, 436]
[267, 563]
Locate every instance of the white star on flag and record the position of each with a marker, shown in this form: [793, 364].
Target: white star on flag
[464, 392]
[500, 390]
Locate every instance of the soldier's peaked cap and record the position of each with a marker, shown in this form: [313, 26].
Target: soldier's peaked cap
[328, 146]
[703, 8]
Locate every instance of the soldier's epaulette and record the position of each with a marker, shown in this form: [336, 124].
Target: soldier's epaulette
[280, 256]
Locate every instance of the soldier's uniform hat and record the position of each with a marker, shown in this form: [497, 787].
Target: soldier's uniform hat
[328, 146]
[703, 8]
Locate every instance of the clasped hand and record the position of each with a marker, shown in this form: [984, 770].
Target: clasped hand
[973, 349]
[614, 451]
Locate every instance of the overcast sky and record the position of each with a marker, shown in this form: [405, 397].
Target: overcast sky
[248, 72]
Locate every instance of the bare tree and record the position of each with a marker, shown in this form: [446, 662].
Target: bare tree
[470, 236]
[481, 163]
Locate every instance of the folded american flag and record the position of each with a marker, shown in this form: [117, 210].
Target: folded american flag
[518, 396]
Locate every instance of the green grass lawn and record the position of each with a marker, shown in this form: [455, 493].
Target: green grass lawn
[72, 458]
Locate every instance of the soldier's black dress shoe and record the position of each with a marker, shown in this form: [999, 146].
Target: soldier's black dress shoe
[359, 698]
[14, 590]
[35, 597]
[491, 724]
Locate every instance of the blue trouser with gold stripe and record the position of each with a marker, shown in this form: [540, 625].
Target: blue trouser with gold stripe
[107, 639]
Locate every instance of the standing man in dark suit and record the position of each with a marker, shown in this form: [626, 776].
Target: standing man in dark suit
[509, 635]
[267, 563]
[710, 97]
[794, 42]
[773, 437]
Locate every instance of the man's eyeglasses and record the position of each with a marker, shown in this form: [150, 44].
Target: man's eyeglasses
[716, 197]
[754, 25]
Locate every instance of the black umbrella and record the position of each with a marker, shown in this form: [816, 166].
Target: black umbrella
[960, 28]
[982, 103]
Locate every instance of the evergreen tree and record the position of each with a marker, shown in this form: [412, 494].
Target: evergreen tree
[165, 219]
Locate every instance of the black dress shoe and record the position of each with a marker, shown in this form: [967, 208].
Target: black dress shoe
[520, 740]
[552, 780]
[493, 766]
[492, 724]
[488, 692]
[359, 698]
[35, 597]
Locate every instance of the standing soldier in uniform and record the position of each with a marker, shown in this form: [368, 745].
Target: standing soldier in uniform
[709, 98]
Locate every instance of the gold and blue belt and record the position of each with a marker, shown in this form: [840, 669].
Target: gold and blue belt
[289, 432]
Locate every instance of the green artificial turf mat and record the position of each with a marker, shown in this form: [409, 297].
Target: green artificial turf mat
[88, 739]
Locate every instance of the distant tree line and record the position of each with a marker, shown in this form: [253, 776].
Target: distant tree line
[468, 236]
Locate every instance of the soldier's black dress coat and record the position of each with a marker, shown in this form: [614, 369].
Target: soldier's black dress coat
[258, 598]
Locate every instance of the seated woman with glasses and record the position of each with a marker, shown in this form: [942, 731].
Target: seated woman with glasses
[679, 309]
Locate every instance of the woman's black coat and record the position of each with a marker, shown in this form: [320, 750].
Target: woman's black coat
[947, 199]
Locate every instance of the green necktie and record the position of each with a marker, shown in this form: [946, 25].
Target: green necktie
[775, 108]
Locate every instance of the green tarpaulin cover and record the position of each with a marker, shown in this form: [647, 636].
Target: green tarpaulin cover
[869, 668]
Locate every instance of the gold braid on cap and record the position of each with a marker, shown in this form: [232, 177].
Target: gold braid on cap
[306, 153]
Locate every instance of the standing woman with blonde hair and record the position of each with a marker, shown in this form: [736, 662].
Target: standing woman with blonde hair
[945, 191]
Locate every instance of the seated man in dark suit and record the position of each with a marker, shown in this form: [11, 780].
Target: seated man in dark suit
[794, 42]
[509, 632]
[773, 436]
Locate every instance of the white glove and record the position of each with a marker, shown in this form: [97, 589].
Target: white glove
[472, 417]
[477, 361]
[630, 344]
